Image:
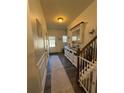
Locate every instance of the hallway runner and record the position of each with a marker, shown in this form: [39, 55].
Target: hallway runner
[60, 82]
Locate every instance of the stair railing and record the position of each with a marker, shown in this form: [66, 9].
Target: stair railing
[87, 66]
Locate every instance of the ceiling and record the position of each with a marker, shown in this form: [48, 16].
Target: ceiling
[68, 9]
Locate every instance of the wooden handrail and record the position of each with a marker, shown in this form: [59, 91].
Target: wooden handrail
[88, 44]
[87, 61]
[76, 25]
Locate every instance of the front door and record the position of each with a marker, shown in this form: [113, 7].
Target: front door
[52, 44]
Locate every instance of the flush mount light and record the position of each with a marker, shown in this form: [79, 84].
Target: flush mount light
[60, 19]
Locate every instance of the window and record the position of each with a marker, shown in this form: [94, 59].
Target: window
[74, 38]
[78, 37]
[52, 41]
[64, 38]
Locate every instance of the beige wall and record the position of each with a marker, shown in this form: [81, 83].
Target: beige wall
[89, 16]
[34, 84]
[58, 33]
[37, 13]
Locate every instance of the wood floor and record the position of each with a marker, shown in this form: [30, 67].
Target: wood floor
[61, 76]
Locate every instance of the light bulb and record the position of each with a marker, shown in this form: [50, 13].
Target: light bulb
[60, 19]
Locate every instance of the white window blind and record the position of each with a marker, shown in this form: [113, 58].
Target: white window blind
[64, 38]
[52, 41]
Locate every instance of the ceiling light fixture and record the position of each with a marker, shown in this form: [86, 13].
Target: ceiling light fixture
[60, 19]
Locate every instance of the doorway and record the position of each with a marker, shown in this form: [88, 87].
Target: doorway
[52, 44]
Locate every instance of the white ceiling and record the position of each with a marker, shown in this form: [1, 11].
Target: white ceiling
[68, 9]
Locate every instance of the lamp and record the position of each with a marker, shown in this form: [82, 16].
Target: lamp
[60, 19]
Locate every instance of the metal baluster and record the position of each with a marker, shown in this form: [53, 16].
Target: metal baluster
[93, 54]
[88, 83]
[95, 50]
[91, 51]
[84, 66]
[84, 82]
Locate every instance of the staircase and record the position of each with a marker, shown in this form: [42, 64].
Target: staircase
[87, 65]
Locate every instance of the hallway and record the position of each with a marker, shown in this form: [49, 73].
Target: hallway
[61, 76]
[54, 27]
